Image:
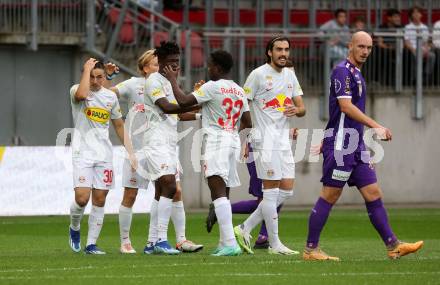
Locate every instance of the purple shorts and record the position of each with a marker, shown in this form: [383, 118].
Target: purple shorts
[354, 171]
[255, 183]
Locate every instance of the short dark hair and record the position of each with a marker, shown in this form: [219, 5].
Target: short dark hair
[338, 11]
[412, 10]
[392, 12]
[165, 49]
[222, 59]
[99, 65]
[271, 43]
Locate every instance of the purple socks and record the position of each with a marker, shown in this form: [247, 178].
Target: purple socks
[245, 207]
[318, 218]
[379, 219]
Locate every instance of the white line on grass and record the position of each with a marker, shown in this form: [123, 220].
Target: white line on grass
[210, 275]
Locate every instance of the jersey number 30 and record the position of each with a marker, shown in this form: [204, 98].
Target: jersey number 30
[231, 119]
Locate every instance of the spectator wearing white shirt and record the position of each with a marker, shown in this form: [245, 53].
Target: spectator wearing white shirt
[339, 36]
[414, 29]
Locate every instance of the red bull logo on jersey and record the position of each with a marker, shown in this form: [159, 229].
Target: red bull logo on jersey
[278, 103]
[97, 114]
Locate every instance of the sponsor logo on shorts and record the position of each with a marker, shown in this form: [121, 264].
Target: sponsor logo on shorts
[97, 114]
[270, 172]
[82, 179]
[341, 175]
[164, 166]
[133, 181]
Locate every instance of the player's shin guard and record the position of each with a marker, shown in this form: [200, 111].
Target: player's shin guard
[164, 208]
[125, 216]
[76, 214]
[179, 220]
[379, 218]
[224, 216]
[152, 232]
[269, 211]
[96, 219]
[318, 218]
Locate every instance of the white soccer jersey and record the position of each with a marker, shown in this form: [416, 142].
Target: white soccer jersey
[136, 123]
[162, 128]
[224, 102]
[270, 91]
[91, 120]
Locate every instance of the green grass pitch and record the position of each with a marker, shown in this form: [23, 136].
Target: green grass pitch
[35, 250]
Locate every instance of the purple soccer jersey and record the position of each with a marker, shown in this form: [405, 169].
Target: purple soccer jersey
[344, 133]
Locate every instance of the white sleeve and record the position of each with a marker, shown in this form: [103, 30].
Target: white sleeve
[154, 90]
[116, 110]
[123, 88]
[204, 93]
[297, 90]
[245, 105]
[73, 90]
[251, 85]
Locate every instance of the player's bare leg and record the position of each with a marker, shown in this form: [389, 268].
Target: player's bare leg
[377, 213]
[125, 217]
[317, 220]
[179, 220]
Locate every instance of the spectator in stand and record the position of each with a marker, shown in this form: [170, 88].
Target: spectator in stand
[359, 24]
[386, 47]
[339, 36]
[414, 29]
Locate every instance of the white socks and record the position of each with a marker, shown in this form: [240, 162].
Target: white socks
[178, 218]
[96, 219]
[223, 212]
[76, 213]
[283, 195]
[125, 215]
[163, 217]
[269, 211]
[152, 232]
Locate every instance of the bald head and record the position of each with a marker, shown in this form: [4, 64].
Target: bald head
[361, 36]
[360, 48]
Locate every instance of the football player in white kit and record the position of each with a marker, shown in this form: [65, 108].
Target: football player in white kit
[224, 106]
[93, 106]
[133, 89]
[160, 147]
[275, 95]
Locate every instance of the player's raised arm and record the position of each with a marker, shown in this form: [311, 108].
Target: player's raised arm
[182, 99]
[84, 85]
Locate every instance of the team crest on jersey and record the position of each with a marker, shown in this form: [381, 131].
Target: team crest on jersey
[82, 179]
[269, 82]
[270, 172]
[108, 106]
[97, 114]
[156, 92]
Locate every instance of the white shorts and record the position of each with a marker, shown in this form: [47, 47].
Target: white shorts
[92, 174]
[160, 160]
[274, 164]
[135, 179]
[221, 162]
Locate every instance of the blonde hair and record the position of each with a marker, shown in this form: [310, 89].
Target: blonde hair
[145, 59]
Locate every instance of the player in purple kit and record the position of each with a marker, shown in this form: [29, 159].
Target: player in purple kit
[346, 159]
